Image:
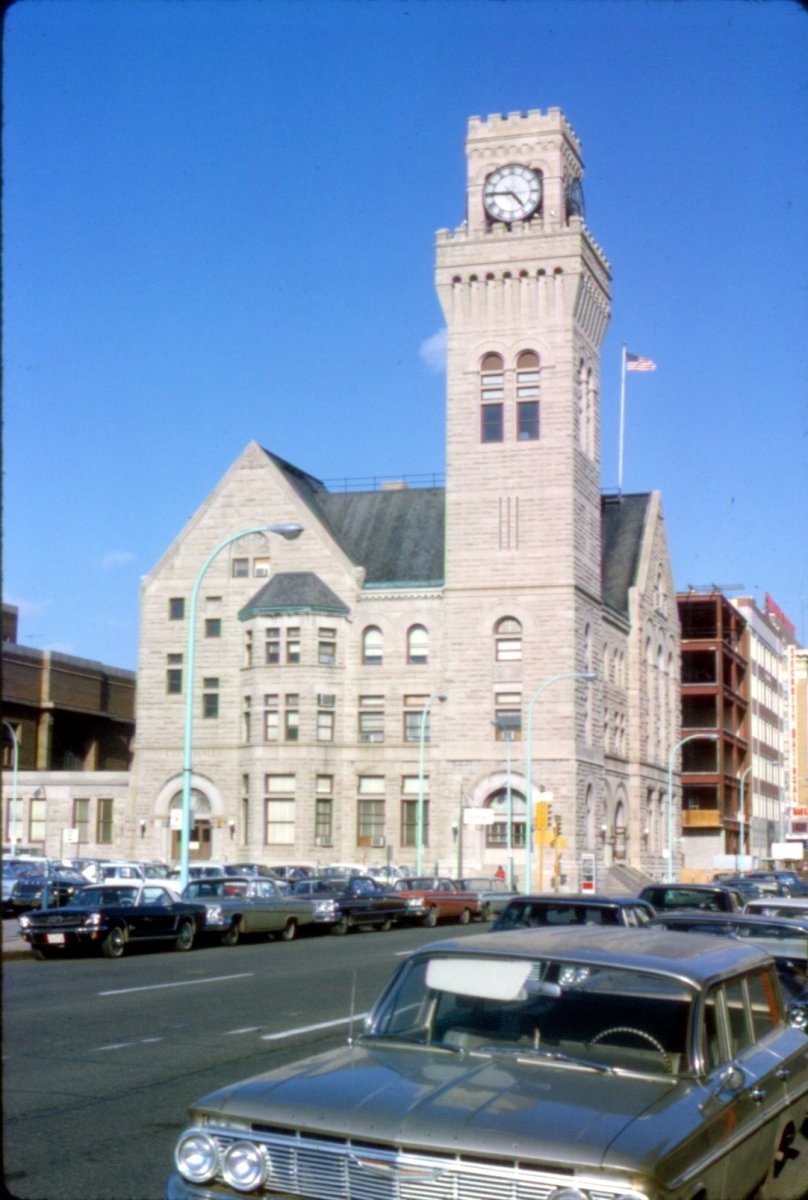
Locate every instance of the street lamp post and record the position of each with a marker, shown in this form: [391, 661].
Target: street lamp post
[589, 676]
[15, 762]
[419, 824]
[507, 726]
[288, 530]
[691, 737]
[741, 816]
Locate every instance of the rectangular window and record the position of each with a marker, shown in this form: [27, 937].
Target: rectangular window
[370, 811]
[410, 800]
[245, 809]
[508, 715]
[210, 697]
[248, 648]
[291, 719]
[213, 627]
[491, 423]
[371, 718]
[527, 418]
[325, 725]
[81, 820]
[324, 810]
[36, 820]
[174, 674]
[103, 821]
[246, 718]
[240, 568]
[271, 719]
[273, 645]
[413, 712]
[327, 647]
[293, 645]
[176, 608]
[261, 567]
[279, 802]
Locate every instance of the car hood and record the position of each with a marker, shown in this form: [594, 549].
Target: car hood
[426, 1099]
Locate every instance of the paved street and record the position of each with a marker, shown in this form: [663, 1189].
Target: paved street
[101, 1059]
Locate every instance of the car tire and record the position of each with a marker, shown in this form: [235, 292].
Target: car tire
[289, 931]
[341, 927]
[231, 935]
[431, 918]
[486, 913]
[465, 916]
[386, 925]
[185, 936]
[114, 943]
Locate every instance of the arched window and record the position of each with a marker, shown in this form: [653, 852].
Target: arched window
[528, 376]
[508, 640]
[492, 395]
[417, 644]
[372, 646]
[505, 814]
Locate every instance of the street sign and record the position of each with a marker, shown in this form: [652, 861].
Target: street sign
[70, 837]
[478, 816]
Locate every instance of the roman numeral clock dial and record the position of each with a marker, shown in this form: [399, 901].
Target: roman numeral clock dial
[512, 193]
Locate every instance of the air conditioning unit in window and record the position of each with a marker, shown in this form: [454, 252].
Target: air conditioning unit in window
[324, 841]
[326, 700]
[377, 843]
[376, 736]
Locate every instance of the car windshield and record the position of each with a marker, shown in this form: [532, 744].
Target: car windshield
[425, 883]
[521, 913]
[96, 897]
[547, 1010]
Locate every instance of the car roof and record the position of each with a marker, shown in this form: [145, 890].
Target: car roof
[695, 958]
[752, 920]
[581, 898]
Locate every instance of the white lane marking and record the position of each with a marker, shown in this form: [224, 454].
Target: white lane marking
[123, 1045]
[247, 1029]
[287, 1033]
[152, 987]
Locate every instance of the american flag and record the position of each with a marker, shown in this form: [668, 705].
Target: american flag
[636, 362]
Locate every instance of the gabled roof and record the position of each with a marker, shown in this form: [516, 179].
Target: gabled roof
[398, 535]
[294, 591]
[623, 520]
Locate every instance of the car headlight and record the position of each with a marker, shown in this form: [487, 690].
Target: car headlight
[415, 902]
[325, 907]
[244, 1166]
[92, 920]
[197, 1157]
[214, 913]
[25, 921]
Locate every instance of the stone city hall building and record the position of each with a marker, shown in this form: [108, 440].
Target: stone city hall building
[398, 643]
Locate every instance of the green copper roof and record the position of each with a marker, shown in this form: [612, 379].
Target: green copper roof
[294, 591]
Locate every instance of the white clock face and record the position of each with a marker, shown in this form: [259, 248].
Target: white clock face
[512, 193]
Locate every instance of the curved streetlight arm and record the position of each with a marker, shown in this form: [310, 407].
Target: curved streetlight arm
[691, 737]
[419, 827]
[289, 530]
[590, 677]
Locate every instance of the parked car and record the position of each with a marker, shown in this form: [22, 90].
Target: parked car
[55, 884]
[343, 904]
[620, 1063]
[778, 906]
[793, 884]
[706, 897]
[14, 869]
[237, 906]
[557, 910]
[111, 916]
[493, 893]
[249, 868]
[786, 939]
[431, 898]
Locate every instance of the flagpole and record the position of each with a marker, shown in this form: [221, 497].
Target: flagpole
[622, 420]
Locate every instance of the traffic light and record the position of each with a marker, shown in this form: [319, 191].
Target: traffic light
[542, 815]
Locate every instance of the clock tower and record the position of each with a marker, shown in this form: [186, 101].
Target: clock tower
[525, 293]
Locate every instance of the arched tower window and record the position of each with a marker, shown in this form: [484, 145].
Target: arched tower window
[417, 644]
[528, 375]
[492, 396]
[508, 640]
[372, 646]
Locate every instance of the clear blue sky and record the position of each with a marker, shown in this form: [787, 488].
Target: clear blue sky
[219, 226]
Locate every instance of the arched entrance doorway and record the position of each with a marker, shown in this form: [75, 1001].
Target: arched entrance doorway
[506, 833]
[199, 846]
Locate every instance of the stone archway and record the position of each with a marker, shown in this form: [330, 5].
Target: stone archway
[201, 837]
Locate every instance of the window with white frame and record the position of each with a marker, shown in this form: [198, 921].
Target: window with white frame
[413, 713]
[527, 396]
[418, 644]
[508, 715]
[410, 802]
[325, 724]
[279, 808]
[291, 717]
[372, 646]
[210, 697]
[293, 644]
[370, 811]
[36, 819]
[81, 819]
[371, 718]
[272, 642]
[271, 718]
[324, 810]
[261, 567]
[326, 647]
[508, 640]
[492, 395]
[509, 814]
[104, 820]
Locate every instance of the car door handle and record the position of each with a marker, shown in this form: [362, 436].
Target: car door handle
[758, 1094]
